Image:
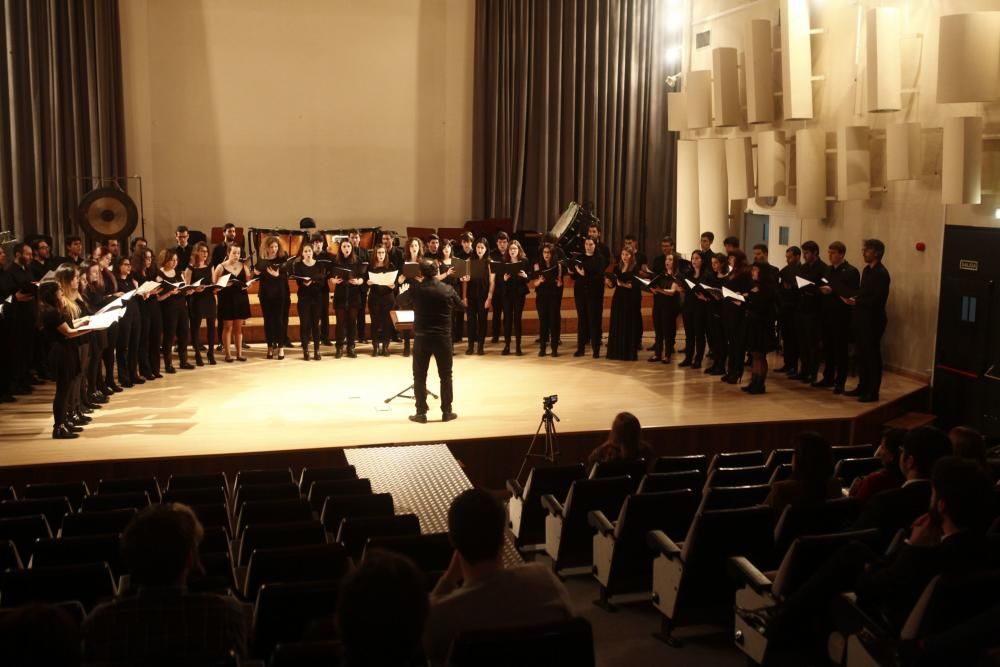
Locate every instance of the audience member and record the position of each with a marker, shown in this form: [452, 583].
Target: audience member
[890, 476]
[812, 479]
[624, 442]
[478, 592]
[381, 612]
[37, 635]
[968, 443]
[164, 621]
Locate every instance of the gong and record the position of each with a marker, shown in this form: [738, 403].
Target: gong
[107, 213]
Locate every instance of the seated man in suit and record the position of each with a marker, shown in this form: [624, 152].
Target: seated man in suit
[891, 511]
[163, 621]
[890, 476]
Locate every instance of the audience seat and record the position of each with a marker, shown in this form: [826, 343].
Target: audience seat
[9, 558]
[737, 459]
[282, 491]
[268, 476]
[88, 584]
[7, 493]
[292, 611]
[525, 514]
[307, 654]
[327, 562]
[271, 535]
[215, 540]
[623, 560]
[847, 470]
[84, 524]
[148, 484]
[213, 516]
[690, 583]
[804, 557]
[568, 535]
[208, 495]
[681, 463]
[832, 516]
[323, 489]
[569, 642]
[310, 475]
[209, 480]
[217, 575]
[335, 508]
[355, 531]
[23, 531]
[63, 551]
[432, 552]
[116, 501]
[272, 511]
[673, 481]
[852, 452]
[779, 457]
[781, 473]
[733, 497]
[75, 492]
[745, 476]
[634, 469]
[72, 608]
[53, 509]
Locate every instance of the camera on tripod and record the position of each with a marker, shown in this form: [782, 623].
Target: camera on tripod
[549, 401]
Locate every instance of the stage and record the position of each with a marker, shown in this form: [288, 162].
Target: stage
[264, 413]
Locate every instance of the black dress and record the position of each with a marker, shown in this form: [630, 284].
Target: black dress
[234, 304]
[760, 322]
[476, 292]
[626, 317]
[202, 304]
[64, 360]
[380, 302]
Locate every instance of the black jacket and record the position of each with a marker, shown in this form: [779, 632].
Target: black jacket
[433, 304]
[898, 508]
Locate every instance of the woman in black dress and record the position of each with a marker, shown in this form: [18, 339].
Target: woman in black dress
[380, 301]
[129, 327]
[716, 333]
[151, 322]
[93, 299]
[272, 293]
[234, 304]
[347, 298]
[670, 305]
[310, 277]
[201, 302]
[734, 316]
[477, 296]
[548, 298]
[109, 285]
[173, 306]
[588, 292]
[59, 327]
[626, 310]
[695, 313]
[413, 252]
[760, 338]
[514, 292]
[446, 274]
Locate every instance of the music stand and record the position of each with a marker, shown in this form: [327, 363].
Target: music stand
[403, 321]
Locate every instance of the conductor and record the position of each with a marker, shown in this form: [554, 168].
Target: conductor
[433, 304]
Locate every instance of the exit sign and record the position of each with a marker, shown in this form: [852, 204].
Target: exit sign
[968, 265]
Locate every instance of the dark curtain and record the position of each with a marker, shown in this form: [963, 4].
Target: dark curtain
[61, 117]
[570, 105]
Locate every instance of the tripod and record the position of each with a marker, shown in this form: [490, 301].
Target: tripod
[551, 446]
[403, 394]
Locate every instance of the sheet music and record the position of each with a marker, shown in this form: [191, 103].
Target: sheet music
[385, 279]
[801, 282]
[730, 294]
[224, 280]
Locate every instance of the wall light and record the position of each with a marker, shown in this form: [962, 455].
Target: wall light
[673, 55]
[996, 214]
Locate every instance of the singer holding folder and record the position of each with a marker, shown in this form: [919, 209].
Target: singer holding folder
[348, 277]
[588, 292]
[273, 294]
[234, 304]
[310, 279]
[151, 330]
[478, 296]
[173, 306]
[201, 302]
[548, 298]
[380, 301]
[734, 315]
[58, 328]
[129, 327]
[515, 278]
[711, 288]
[695, 313]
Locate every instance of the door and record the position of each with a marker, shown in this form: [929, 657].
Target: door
[777, 232]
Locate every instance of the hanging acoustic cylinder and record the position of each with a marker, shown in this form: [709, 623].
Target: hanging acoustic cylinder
[810, 174]
[739, 167]
[698, 86]
[796, 61]
[771, 180]
[726, 87]
[758, 61]
[962, 161]
[884, 69]
[677, 112]
[854, 171]
[713, 199]
[688, 221]
[969, 57]
[903, 148]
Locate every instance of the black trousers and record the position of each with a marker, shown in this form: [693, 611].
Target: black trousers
[127, 347]
[347, 319]
[175, 327]
[272, 307]
[286, 308]
[836, 343]
[81, 388]
[695, 323]
[324, 316]
[476, 322]
[868, 333]
[6, 357]
[379, 308]
[63, 368]
[93, 368]
[513, 311]
[665, 310]
[196, 319]
[361, 312]
[497, 308]
[807, 323]
[717, 336]
[150, 332]
[24, 344]
[789, 337]
[589, 313]
[425, 347]
[734, 324]
[108, 356]
[549, 302]
[310, 320]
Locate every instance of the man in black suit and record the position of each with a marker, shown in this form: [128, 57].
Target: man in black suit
[395, 255]
[892, 510]
[706, 252]
[220, 250]
[74, 251]
[42, 260]
[498, 254]
[788, 308]
[183, 249]
[354, 236]
[810, 313]
[24, 310]
[869, 321]
[600, 248]
[841, 281]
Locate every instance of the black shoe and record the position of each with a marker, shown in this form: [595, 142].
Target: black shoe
[374, 349]
[479, 350]
[784, 369]
[794, 376]
[71, 427]
[326, 343]
[854, 393]
[506, 350]
[406, 347]
[98, 398]
[597, 353]
[541, 350]
[170, 369]
[495, 339]
[187, 367]
[757, 387]
[138, 379]
[7, 398]
[685, 363]
[305, 354]
[287, 343]
[200, 348]
[111, 386]
[62, 433]
[82, 419]
[198, 362]
[555, 350]
[246, 346]
[471, 349]
[339, 353]
[420, 418]
[579, 352]
[666, 359]
[385, 349]
[825, 383]
[807, 379]
[696, 365]
[868, 398]
[218, 348]
[318, 356]
[655, 358]
[351, 354]
[839, 389]
[448, 416]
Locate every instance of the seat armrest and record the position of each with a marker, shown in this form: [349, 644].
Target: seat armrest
[515, 488]
[551, 505]
[747, 573]
[659, 542]
[597, 520]
[850, 618]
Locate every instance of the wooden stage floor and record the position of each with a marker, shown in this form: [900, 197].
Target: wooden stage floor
[272, 406]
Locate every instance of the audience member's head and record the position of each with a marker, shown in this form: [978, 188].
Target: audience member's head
[626, 435]
[889, 446]
[161, 545]
[968, 443]
[39, 635]
[812, 459]
[962, 496]
[921, 448]
[476, 521]
[381, 611]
